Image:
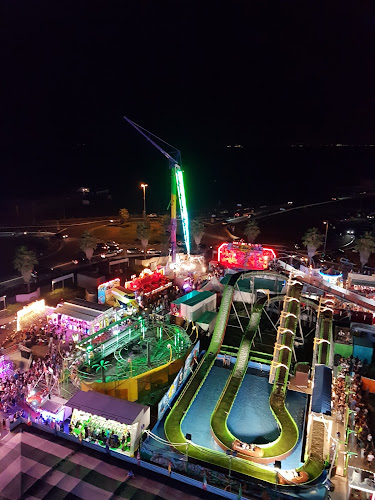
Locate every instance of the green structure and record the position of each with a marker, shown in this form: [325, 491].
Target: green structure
[289, 432]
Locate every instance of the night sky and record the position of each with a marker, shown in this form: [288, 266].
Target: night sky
[202, 76]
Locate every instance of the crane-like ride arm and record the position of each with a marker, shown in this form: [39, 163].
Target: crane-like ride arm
[177, 186]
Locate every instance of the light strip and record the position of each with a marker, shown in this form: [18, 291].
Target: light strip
[183, 208]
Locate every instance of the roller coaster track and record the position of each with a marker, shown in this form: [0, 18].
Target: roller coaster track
[174, 420]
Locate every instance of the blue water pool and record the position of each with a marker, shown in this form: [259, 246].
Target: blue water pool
[250, 419]
[197, 420]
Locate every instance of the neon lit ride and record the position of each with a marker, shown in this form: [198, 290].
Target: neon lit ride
[245, 256]
[177, 187]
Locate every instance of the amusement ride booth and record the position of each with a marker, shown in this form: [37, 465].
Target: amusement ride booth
[106, 421]
[82, 318]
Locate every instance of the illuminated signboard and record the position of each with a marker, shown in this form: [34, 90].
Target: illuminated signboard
[245, 256]
[104, 291]
[37, 307]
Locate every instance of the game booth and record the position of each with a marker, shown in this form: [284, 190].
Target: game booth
[82, 318]
[192, 305]
[115, 295]
[113, 423]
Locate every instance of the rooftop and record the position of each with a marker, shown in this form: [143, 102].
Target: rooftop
[105, 406]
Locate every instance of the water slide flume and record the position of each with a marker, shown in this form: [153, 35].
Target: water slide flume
[312, 467]
[288, 438]
[172, 426]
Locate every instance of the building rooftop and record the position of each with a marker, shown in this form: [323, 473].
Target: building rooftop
[206, 317]
[119, 410]
[89, 305]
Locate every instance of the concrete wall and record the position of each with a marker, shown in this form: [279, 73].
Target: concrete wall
[28, 297]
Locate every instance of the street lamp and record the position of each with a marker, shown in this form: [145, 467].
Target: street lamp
[325, 237]
[143, 186]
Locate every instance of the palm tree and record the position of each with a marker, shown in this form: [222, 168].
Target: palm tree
[312, 239]
[365, 246]
[88, 244]
[197, 230]
[102, 366]
[143, 233]
[24, 261]
[166, 222]
[251, 231]
[124, 215]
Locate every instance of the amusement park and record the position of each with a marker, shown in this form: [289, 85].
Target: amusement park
[240, 375]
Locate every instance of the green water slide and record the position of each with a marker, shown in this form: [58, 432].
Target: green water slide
[174, 420]
[220, 415]
[289, 431]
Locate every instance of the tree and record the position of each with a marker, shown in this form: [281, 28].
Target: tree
[197, 230]
[102, 366]
[143, 233]
[251, 231]
[124, 215]
[166, 222]
[365, 246]
[24, 261]
[88, 244]
[312, 239]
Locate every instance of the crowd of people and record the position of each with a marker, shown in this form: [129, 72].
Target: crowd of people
[100, 431]
[355, 396]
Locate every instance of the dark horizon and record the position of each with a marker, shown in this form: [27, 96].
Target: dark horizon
[201, 79]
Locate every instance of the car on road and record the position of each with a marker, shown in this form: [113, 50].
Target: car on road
[80, 260]
[101, 246]
[112, 243]
[133, 250]
[152, 216]
[153, 251]
[346, 262]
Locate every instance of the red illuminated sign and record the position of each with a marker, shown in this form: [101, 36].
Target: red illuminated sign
[245, 256]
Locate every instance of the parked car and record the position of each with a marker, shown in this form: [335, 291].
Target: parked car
[80, 260]
[153, 251]
[133, 250]
[152, 216]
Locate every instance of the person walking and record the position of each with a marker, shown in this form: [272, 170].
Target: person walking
[370, 458]
[369, 441]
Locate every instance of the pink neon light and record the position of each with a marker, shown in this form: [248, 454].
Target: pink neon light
[270, 250]
[245, 256]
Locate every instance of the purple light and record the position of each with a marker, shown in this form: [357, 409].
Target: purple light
[6, 366]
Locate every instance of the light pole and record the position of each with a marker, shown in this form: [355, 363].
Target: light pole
[325, 237]
[143, 186]
[230, 454]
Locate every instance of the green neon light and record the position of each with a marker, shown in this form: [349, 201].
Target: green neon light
[183, 208]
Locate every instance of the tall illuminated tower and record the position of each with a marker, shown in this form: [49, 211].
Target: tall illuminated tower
[177, 189]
